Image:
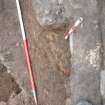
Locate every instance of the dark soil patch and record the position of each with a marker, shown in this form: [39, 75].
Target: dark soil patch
[8, 84]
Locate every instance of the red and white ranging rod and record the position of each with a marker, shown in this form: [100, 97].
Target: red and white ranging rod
[74, 27]
[31, 76]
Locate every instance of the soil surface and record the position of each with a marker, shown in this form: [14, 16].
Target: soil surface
[8, 84]
[50, 57]
[49, 54]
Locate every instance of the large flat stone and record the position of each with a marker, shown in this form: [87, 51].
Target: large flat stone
[86, 56]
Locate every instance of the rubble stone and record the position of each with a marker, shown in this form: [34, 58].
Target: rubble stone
[50, 12]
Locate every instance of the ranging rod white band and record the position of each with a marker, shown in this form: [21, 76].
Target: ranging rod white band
[35, 98]
[20, 19]
[78, 22]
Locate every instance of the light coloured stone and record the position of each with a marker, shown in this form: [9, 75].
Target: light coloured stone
[102, 83]
[84, 103]
[68, 101]
[50, 12]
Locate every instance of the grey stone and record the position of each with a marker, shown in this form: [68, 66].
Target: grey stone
[102, 24]
[50, 12]
[56, 13]
[84, 103]
[86, 57]
[2, 103]
[102, 84]
[102, 20]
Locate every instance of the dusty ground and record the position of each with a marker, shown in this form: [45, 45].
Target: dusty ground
[49, 53]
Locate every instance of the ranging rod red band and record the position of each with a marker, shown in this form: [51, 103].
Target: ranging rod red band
[31, 76]
[67, 33]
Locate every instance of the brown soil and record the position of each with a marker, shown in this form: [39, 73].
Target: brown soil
[50, 58]
[8, 85]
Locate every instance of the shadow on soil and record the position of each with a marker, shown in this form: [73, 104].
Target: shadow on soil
[8, 84]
